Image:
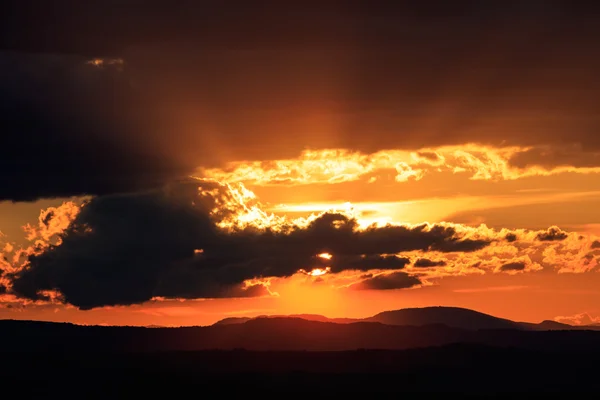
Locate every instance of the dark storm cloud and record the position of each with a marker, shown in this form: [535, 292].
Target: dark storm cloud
[410, 83]
[511, 237]
[73, 128]
[367, 262]
[513, 266]
[426, 263]
[553, 233]
[2, 289]
[215, 81]
[558, 156]
[125, 249]
[394, 280]
[429, 156]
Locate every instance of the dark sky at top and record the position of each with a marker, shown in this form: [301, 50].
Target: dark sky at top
[208, 82]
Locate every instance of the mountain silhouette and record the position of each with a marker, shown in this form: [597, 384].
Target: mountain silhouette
[315, 356]
[280, 334]
[548, 325]
[232, 321]
[308, 317]
[454, 317]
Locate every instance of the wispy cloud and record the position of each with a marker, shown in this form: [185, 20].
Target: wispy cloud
[343, 165]
[508, 288]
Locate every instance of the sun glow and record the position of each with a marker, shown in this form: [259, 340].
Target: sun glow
[325, 256]
[319, 271]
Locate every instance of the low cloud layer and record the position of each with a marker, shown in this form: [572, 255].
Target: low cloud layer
[126, 249]
[193, 240]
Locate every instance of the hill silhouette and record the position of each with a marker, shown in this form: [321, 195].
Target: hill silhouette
[308, 317]
[293, 353]
[454, 317]
[451, 316]
[279, 334]
[232, 320]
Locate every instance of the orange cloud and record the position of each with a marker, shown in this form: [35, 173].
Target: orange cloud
[578, 319]
[508, 288]
[341, 165]
[51, 223]
[46, 298]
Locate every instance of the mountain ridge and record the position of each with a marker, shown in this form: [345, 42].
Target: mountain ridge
[279, 334]
[454, 317]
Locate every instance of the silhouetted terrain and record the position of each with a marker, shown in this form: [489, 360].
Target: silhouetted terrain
[280, 334]
[454, 317]
[474, 370]
[308, 317]
[293, 353]
[450, 316]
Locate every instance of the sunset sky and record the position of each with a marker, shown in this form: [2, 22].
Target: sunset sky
[194, 163]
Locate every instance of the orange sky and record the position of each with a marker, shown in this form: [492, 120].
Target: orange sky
[559, 282]
[192, 163]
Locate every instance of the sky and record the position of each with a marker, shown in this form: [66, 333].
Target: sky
[208, 160]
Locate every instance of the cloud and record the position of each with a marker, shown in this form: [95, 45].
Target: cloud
[367, 262]
[203, 239]
[554, 233]
[52, 221]
[345, 165]
[549, 157]
[578, 319]
[513, 266]
[508, 288]
[429, 157]
[125, 249]
[327, 76]
[153, 110]
[426, 263]
[576, 254]
[391, 281]
[70, 127]
[206, 89]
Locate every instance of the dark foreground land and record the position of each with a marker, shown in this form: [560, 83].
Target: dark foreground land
[294, 356]
[468, 369]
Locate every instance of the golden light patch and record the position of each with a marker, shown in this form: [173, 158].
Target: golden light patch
[342, 165]
[319, 271]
